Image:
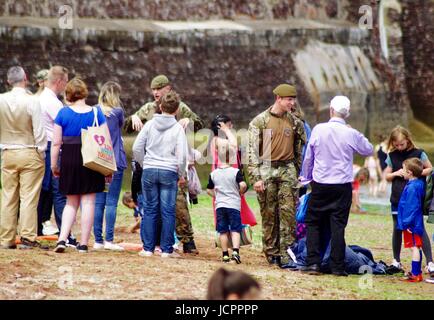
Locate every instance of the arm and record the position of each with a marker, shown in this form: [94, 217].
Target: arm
[361, 144]
[182, 152]
[299, 142]
[412, 209]
[55, 148]
[210, 187]
[391, 175]
[186, 113]
[241, 183]
[427, 168]
[39, 133]
[140, 145]
[309, 159]
[243, 187]
[254, 136]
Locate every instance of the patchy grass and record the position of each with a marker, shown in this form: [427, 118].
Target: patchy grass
[36, 274]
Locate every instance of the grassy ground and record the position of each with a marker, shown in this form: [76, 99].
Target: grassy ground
[36, 274]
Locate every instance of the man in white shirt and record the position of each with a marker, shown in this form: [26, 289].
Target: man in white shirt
[23, 142]
[57, 79]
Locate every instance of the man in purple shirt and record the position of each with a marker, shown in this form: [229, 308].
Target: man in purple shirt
[328, 165]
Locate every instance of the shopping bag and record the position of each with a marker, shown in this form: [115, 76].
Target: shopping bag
[246, 237]
[97, 148]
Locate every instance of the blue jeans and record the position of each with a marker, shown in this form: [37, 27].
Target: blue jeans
[109, 202]
[159, 188]
[50, 194]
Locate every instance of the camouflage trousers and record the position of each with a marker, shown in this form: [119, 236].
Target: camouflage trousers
[277, 204]
[184, 229]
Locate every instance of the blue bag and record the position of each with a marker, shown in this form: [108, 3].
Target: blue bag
[302, 208]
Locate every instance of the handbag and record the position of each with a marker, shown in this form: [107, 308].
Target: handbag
[246, 237]
[97, 148]
[302, 208]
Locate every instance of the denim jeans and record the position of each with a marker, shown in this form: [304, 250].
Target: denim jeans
[50, 195]
[109, 202]
[159, 198]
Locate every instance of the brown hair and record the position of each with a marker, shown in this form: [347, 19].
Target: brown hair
[75, 90]
[396, 133]
[170, 102]
[223, 283]
[127, 198]
[414, 165]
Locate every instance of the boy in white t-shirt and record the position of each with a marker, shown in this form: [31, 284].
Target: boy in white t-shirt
[226, 184]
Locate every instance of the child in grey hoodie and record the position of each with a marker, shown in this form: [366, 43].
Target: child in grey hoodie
[161, 147]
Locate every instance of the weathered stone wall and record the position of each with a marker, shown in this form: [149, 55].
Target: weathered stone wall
[417, 24]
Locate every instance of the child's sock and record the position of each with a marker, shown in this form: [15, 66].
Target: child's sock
[416, 266]
[225, 253]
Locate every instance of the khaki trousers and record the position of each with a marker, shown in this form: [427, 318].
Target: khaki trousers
[22, 171]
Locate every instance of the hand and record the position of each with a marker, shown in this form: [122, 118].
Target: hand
[109, 179]
[184, 122]
[181, 182]
[409, 231]
[223, 126]
[136, 123]
[399, 173]
[259, 186]
[56, 171]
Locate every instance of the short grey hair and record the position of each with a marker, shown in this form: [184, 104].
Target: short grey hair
[16, 74]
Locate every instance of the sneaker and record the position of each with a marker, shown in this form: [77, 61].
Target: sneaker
[60, 247]
[226, 259]
[71, 242]
[236, 257]
[27, 244]
[166, 255]
[412, 278]
[48, 229]
[430, 269]
[430, 280]
[395, 267]
[98, 246]
[111, 246]
[157, 250]
[82, 248]
[190, 247]
[144, 253]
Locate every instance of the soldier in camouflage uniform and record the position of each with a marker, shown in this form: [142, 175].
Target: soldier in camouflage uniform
[160, 85]
[276, 138]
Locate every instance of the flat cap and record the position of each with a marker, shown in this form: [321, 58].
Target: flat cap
[159, 82]
[285, 90]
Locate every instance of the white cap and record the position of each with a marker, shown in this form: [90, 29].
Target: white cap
[340, 104]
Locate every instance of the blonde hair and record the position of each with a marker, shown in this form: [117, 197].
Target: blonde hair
[109, 97]
[57, 73]
[397, 133]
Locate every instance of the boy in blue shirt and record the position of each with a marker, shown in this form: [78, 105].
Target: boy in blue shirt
[410, 216]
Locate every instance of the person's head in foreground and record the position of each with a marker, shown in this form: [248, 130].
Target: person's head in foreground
[413, 168]
[232, 285]
[340, 107]
[400, 139]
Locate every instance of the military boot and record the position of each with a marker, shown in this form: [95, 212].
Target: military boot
[190, 247]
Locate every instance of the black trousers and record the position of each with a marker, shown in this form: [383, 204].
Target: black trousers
[326, 218]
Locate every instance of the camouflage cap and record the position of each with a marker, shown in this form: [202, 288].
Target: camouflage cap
[159, 82]
[42, 75]
[285, 90]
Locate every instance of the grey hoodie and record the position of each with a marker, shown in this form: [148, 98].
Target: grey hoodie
[162, 144]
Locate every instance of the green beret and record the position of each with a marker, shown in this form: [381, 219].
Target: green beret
[159, 82]
[285, 90]
[42, 74]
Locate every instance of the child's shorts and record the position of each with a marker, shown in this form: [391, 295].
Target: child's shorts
[228, 220]
[411, 240]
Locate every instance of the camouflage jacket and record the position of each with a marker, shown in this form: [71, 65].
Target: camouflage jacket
[147, 111]
[255, 133]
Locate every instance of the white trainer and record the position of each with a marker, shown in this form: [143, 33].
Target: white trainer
[144, 253]
[48, 229]
[111, 246]
[98, 246]
[166, 255]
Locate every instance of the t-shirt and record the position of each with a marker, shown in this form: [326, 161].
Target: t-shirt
[72, 122]
[225, 182]
[278, 139]
[423, 158]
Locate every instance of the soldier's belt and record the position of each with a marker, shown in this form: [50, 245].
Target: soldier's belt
[277, 164]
